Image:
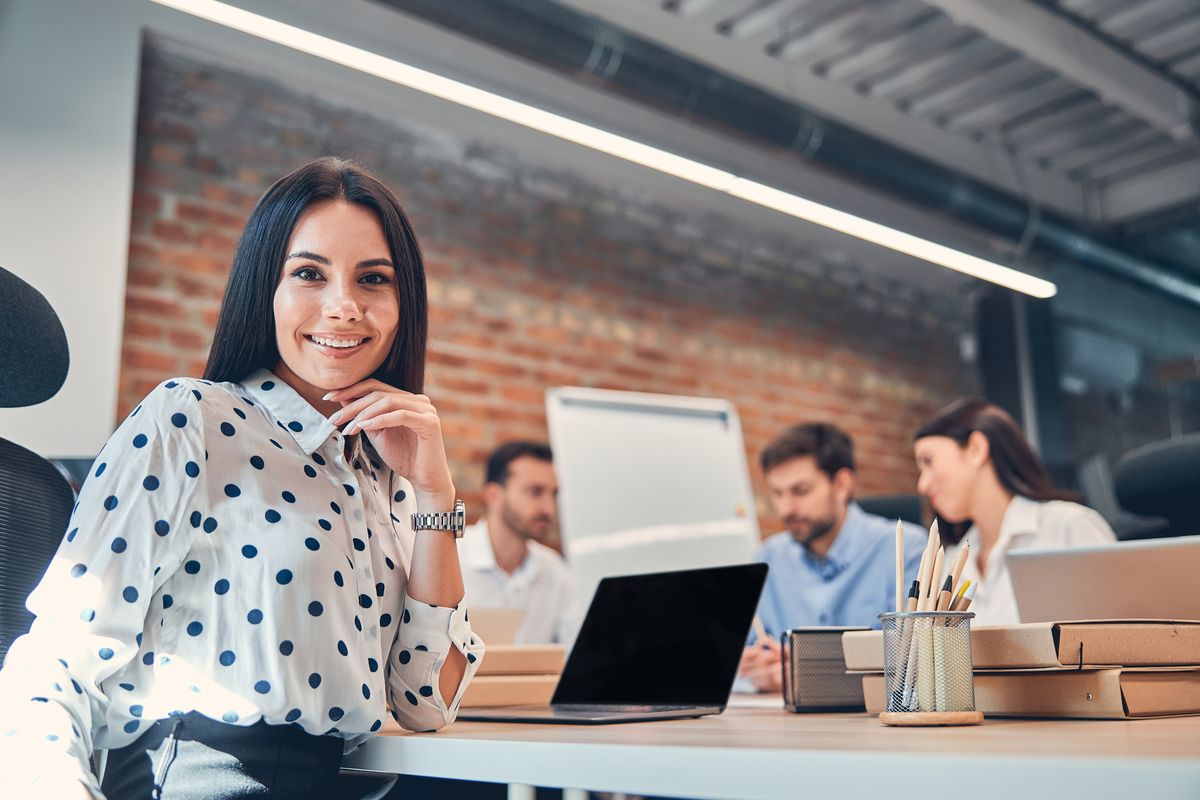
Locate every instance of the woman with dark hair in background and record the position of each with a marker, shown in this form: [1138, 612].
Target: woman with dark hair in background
[977, 469]
[248, 585]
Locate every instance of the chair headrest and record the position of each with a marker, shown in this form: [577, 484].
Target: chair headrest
[1161, 479]
[33, 345]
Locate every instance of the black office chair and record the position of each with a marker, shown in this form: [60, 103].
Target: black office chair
[35, 499]
[907, 507]
[1163, 480]
[35, 504]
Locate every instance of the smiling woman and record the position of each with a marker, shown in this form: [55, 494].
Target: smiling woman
[336, 308]
[244, 591]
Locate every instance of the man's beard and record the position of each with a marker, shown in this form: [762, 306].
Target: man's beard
[817, 530]
[525, 527]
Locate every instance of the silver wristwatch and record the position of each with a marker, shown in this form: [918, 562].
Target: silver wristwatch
[452, 521]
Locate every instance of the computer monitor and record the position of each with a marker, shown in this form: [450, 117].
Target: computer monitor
[649, 483]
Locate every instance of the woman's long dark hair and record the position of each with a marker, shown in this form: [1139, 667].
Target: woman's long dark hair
[245, 337]
[1018, 468]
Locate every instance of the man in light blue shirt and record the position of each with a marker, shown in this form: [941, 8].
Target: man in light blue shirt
[835, 565]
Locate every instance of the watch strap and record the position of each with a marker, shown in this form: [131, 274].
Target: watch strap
[452, 521]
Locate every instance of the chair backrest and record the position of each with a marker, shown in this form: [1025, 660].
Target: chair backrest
[35, 506]
[1162, 479]
[894, 506]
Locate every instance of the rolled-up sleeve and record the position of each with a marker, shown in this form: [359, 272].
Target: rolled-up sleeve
[425, 637]
[127, 535]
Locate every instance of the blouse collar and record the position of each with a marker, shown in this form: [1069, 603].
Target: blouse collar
[292, 413]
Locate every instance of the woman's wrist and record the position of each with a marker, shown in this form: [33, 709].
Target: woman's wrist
[435, 502]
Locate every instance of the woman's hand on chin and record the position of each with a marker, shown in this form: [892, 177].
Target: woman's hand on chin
[404, 428]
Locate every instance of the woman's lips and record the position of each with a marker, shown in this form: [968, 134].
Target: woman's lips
[337, 352]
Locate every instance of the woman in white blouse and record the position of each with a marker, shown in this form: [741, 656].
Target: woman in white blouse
[980, 474]
[241, 596]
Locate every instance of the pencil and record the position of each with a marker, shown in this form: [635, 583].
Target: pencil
[921, 578]
[960, 563]
[899, 565]
[943, 599]
[936, 577]
[927, 568]
[965, 601]
[961, 591]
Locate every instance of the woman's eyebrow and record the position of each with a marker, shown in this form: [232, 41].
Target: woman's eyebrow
[306, 254]
[371, 262]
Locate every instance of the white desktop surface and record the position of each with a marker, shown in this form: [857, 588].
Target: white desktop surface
[752, 752]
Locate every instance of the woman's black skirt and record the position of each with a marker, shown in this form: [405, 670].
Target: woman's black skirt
[191, 756]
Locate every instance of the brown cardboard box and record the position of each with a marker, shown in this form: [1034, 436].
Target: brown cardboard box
[523, 659]
[1125, 643]
[1080, 694]
[509, 690]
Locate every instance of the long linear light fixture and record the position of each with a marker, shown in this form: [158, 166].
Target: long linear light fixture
[610, 143]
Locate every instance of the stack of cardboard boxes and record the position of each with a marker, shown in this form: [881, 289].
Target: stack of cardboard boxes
[515, 675]
[1104, 669]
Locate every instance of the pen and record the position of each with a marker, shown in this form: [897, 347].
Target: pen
[760, 633]
[914, 592]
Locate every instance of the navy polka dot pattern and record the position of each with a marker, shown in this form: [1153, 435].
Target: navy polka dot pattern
[195, 575]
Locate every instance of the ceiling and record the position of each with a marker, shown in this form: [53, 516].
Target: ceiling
[1065, 130]
[1086, 106]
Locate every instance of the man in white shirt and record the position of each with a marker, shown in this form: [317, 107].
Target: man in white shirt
[505, 564]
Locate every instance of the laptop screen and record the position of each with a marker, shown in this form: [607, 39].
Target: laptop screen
[667, 638]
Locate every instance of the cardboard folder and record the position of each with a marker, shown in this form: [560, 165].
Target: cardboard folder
[1124, 643]
[523, 659]
[1078, 694]
[487, 691]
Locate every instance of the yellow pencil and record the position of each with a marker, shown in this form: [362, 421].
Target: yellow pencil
[961, 591]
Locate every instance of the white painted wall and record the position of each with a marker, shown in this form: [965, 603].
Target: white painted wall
[68, 84]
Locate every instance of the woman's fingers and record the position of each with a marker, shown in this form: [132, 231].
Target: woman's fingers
[355, 409]
[378, 417]
[362, 388]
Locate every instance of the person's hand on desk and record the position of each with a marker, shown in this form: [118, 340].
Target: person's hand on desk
[760, 663]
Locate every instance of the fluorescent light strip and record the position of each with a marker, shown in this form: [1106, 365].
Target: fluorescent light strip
[609, 143]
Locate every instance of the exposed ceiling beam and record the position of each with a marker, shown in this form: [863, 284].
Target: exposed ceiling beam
[1163, 188]
[701, 42]
[1070, 50]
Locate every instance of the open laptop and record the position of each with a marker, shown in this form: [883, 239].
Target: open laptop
[1144, 579]
[660, 646]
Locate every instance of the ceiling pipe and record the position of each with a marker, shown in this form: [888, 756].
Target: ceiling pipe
[597, 52]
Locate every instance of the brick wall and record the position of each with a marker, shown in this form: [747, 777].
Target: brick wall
[536, 279]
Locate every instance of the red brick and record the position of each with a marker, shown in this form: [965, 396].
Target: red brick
[150, 305]
[137, 357]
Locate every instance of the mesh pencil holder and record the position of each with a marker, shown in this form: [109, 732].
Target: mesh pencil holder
[928, 672]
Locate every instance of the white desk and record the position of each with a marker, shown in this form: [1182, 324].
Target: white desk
[769, 754]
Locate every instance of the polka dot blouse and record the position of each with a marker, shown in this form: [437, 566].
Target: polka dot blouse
[227, 557]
